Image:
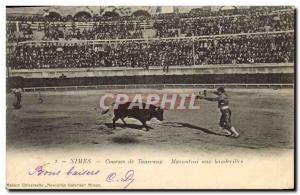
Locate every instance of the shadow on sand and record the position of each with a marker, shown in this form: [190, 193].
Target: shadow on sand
[190, 126]
[125, 140]
[131, 126]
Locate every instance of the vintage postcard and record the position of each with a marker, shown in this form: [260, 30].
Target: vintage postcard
[150, 97]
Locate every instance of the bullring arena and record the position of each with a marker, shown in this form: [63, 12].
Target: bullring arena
[65, 63]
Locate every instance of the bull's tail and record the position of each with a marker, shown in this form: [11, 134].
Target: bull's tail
[110, 107]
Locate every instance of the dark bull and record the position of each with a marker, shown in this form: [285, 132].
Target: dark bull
[143, 113]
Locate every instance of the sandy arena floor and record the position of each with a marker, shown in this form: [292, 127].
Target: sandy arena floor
[69, 121]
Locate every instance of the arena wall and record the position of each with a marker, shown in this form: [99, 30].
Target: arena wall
[119, 71]
[234, 75]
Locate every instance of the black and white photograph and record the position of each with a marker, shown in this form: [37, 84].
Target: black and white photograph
[105, 97]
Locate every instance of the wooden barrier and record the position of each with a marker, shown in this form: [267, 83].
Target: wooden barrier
[158, 86]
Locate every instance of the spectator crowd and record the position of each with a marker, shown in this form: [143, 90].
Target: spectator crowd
[165, 25]
[202, 38]
[276, 48]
